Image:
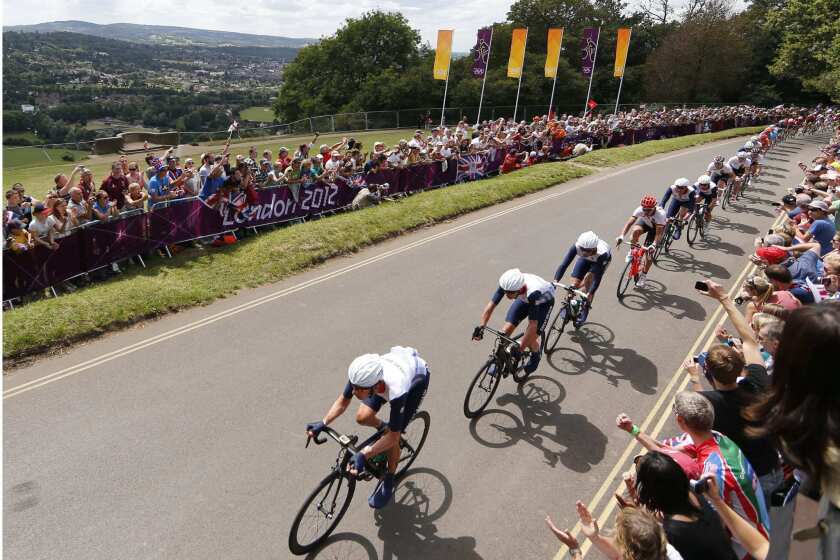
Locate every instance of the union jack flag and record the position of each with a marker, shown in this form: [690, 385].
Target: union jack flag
[470, 168]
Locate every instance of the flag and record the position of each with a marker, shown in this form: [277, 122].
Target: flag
[622, 44]
[443, 54]
[589, 47]
[591, 104]
[233, 127]
[482, 52]
[517, 52]
[470, 168]
[552, 57]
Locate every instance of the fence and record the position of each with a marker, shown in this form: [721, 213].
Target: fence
[99, 244]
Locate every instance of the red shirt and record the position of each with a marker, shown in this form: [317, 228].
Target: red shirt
[116, 187]
[511, 163]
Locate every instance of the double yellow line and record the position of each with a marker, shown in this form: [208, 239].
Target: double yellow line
[658, 415]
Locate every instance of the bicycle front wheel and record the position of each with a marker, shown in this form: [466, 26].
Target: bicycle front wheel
[624, 280]
[482, 388]
[412, 440]
[724, 200]
[693, 229]
[555, 331]
[320, 513]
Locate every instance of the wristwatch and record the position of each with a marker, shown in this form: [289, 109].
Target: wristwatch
[575, 553]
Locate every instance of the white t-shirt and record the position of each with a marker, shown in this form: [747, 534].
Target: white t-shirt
[399, 368]
[41, 229]
[658, 218]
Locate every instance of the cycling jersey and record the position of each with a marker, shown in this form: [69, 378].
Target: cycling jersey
[658, 218]
[709, 194]
[672, 192]
[406, 378]
[737, 167]
[596, 264]
[535, 303]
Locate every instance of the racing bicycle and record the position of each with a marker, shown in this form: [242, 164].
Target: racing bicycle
[634, 267]
[664, 243]
[576, 301]
[697, 224]
[326, 505]
[503, 361]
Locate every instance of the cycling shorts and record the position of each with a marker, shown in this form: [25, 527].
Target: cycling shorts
[650, 231]
[519, 310]
[582, 266]
[403, 408]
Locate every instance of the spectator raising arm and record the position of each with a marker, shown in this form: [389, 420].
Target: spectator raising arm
[755, 543]
[749, 344]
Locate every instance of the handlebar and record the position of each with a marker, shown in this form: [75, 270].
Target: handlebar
[645, 247]
[500, 334]
[570, 289]
[348, 442]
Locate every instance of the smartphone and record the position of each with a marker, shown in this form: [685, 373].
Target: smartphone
[775, 204]
[701, 286]
[699, 486]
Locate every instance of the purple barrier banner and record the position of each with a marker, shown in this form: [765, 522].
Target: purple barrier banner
[39, 267]
[182, 221]
[107, 242]
[278, 205]
[21, 274]
[65, 262]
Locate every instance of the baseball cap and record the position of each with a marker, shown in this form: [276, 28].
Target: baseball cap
[789, 199]
[803, 199]
[772, 255]
[818, 205]
[39, 208]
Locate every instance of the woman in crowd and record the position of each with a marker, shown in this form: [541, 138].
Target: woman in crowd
[760, 292]
[134, 175]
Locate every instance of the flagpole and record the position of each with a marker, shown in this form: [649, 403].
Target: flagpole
[620, 83]
[445, 88]
[553, 84]
[623, 70]
[591, 74]
[484, 80]
[521, 71]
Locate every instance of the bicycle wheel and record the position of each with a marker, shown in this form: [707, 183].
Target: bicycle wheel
[482, 389]
[624, 280]
[724, 200]
[668, 238]
[693, 228]
[321, 512]
[412, 440]
[555, 331]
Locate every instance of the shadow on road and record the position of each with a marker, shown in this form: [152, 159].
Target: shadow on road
[570, 439]
[678, 260]
[596, 353]
[722, 222]
[654, 295]
[737, 208]
[406, 526]
[346, 546]
[768, 174]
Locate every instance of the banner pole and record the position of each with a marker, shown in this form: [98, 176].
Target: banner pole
[551, 101]
[521, 71]
[443, 108]
[620, 83]
[591, 74]
[484, 80]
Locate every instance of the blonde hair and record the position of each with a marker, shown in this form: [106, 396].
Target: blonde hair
[761, 288]
[639, 535]
[761, 320]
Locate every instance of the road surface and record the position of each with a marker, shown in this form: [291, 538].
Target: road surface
[183, 438]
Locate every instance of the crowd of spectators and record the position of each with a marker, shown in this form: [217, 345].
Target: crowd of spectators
[760, 425]
[133, 187]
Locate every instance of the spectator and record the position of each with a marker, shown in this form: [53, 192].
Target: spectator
[115, 185]
[63, 184]
[303, 150]
[19, 239]
[831, 275]
[821, 228]
[191, 184]
[161, 187]
[19, 210]
[64, 221]
[760, 291]
[801, 412]
[366, 197]
[78, 207]
[283, 158]
[134, 175]
[103, 208]
[42, 227]
[135, 198]
[173, 171]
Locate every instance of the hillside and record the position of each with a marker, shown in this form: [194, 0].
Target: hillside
[164, 35]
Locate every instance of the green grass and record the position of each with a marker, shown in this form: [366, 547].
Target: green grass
[612, 157]
[22, 157]
[31, 136]
[200, 276]
[37, 176]
[257, 114]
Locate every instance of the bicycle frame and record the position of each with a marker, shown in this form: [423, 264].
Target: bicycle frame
[349, 448]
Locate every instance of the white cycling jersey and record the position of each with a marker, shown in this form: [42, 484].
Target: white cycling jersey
[675, 194]
[602, 249]
[399, 368]
[658, 218]
[724, 170]
[736, 164]
[536, 286]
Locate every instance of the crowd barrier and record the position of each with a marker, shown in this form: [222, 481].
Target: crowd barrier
[99, 244]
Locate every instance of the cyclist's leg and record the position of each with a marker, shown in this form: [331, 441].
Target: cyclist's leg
[581, 271]
[649, 238]
[673, 206]
[414, 398]
[517, 311]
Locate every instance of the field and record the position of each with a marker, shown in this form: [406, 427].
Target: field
[22, 157]
[36, 173]
[257, 114]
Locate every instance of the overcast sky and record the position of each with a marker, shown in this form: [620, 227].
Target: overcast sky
[288, 18]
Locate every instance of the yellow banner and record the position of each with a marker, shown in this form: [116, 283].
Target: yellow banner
[622, 44]
[443, 54]
[555, 39]
[517, 53]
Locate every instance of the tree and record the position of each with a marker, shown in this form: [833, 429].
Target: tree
[809, 48]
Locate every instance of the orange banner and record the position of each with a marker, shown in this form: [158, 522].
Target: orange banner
[517, 52]
[552, 57]
[443, 54]
[622, 45]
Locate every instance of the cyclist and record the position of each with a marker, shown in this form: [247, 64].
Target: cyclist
[740, 164]
[720, 172]
[400, 378]
[683, 201]
[705, 191]
[533, 298]
[593, 258]
[757, 160]
[647, 219]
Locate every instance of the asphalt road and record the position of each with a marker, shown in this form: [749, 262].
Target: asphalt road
[190, 445]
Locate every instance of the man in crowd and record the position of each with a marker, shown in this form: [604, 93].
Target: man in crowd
[116, 185]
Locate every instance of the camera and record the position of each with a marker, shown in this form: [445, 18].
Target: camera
[699, 486]
[738, 300]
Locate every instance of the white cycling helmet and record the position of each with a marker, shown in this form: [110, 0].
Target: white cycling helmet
[365, 371]
[754, 138]
[749, 145]
[742, 155]
[682, 182]
[587, 240]
[704, 179]
[512, 280]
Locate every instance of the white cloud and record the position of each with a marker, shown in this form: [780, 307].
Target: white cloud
[288, 18]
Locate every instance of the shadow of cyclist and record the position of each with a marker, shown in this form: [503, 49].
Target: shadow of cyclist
[596, 353]
[406, 526]
[678, 260]
[654, 295]
[347, 546]
[569, 439]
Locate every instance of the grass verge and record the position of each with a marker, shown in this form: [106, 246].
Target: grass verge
[612, 157]
[198, 277]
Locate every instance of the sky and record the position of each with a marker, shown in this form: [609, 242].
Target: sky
[287, 18]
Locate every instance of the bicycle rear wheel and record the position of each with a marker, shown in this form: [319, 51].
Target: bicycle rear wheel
[724, 200]
[624, 280]
[412, 440]
[558, 325]
[693, 229]
[482, 389]
[321, 512]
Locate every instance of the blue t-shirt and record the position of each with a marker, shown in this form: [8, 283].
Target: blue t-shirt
[823, 231]
[211, 187]
[157, 186]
